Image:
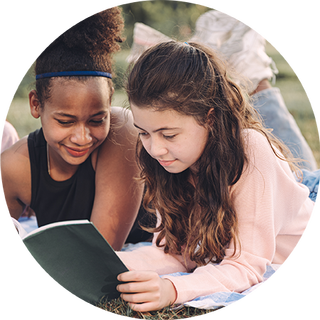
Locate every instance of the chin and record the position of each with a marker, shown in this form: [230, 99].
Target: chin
[174, 170]
[75, 161]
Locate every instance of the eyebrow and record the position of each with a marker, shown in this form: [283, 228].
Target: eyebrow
[160, 129]
[62, 114]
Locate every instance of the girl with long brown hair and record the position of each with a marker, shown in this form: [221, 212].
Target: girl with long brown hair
[223, 188]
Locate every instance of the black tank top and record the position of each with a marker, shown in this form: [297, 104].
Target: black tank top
[54, 201]
[72, 199]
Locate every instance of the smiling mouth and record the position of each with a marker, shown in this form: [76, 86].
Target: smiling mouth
[166, 163]
[77, 152]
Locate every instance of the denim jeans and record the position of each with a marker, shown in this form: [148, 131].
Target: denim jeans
[275, 115]
[311, 180]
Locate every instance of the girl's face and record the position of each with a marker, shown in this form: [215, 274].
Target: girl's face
[177, 141]
[75, 119]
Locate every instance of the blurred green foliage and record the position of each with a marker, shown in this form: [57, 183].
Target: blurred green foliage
[120, 67]
[173, 18]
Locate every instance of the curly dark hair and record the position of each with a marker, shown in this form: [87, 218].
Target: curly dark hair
[199, 219]
[87, 46]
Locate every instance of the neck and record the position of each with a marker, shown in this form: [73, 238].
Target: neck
[59, 171]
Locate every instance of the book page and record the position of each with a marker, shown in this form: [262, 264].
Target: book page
[54, 224]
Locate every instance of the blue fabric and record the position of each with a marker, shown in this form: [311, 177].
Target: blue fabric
[238, 304]
[275, 115]
[28, 224]
[311, 180]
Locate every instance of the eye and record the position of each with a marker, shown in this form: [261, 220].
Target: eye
[143, 134]
[97, 122]
[65, 123]
[169, 137]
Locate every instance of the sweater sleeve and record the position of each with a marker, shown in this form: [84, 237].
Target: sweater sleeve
[266, 199]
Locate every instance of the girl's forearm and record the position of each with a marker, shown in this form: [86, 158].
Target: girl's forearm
[153, 259]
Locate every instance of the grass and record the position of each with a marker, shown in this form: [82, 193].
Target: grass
[310, 128]
[120, 307]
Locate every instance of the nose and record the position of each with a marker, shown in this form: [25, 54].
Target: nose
[81, 135]
[157, 148]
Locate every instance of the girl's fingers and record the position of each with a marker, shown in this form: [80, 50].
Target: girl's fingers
[143, 302]
[144, 297]
[136, 287]
[144, 282]
[135, 276]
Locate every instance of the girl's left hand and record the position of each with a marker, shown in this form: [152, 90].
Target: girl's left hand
[146, 291]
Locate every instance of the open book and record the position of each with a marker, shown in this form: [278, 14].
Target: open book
[77, 256]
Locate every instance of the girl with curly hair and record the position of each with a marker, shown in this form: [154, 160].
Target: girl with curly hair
[80, 164]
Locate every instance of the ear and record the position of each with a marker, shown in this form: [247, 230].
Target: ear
[210, 117]
[34, 104]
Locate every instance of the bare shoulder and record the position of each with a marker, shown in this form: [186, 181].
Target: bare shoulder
[15, 156]
[121, 140]
[120, 113]
[16, 174]
[122, 123]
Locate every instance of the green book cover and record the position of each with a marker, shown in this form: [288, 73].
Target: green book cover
[77, 256]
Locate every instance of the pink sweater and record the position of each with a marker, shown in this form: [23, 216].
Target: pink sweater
[273, 211]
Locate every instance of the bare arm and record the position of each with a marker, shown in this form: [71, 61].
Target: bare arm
[118, 194]
[16, 177]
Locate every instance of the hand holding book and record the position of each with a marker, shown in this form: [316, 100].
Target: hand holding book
[146, 291]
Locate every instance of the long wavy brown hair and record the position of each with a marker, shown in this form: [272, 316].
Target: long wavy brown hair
[197, 219]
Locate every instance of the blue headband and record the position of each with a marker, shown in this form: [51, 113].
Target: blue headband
[74, 73]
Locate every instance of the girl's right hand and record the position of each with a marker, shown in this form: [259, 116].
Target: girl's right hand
[146, 291]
